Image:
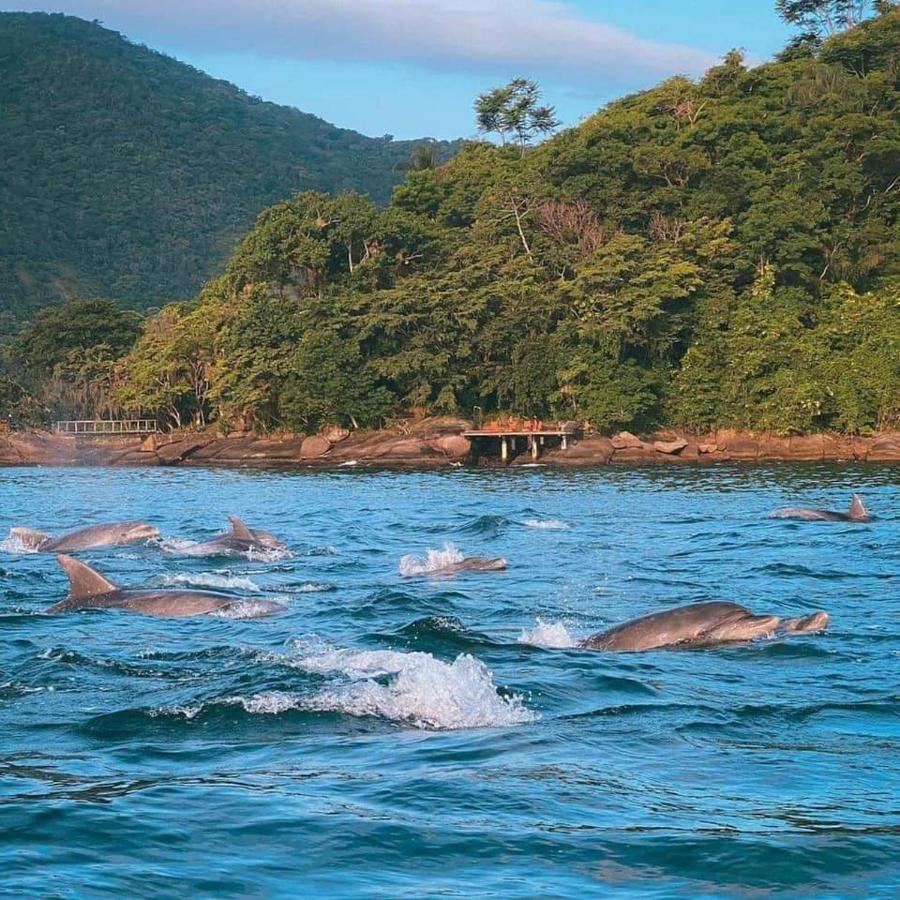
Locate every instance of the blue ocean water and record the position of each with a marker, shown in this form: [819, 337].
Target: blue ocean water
[394, 736]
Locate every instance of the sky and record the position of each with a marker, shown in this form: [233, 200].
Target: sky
[412, 68]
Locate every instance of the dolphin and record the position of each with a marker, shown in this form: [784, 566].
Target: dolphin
[856, 513]
[88, 589]
[240, 539]
[700, 625]
[470, 564]
[112, 534]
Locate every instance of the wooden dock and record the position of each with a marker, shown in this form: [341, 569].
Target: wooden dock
[535, 440]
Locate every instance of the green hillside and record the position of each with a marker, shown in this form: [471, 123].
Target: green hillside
[129, 175]
[720, 252]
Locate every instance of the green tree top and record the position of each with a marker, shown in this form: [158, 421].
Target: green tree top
[514, 110]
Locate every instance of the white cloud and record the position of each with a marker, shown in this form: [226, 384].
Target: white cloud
[528, 37]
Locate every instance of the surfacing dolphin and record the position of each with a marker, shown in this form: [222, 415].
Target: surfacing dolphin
[470, 564]
[856, 513]
[112, 534]
[240, 539]
[700, 625]
[88, 589]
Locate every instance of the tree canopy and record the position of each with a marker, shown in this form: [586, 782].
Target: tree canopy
[713, 253]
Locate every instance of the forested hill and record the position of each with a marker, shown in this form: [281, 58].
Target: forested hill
[129, 175]
[713, 253]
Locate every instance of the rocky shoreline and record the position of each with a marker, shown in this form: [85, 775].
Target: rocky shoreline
[432, 444]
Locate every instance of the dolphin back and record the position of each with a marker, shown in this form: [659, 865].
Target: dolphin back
[664, 629]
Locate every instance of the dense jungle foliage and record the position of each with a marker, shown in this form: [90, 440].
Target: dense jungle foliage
[128, 175]
[715, 253]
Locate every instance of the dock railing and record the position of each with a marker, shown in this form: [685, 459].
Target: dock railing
[106, 426]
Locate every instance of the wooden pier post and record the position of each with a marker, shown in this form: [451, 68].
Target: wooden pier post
[504, 450]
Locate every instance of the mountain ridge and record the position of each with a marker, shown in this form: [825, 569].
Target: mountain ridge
[132, 175]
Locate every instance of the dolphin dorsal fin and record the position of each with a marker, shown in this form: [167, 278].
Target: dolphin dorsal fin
[858, 508]
[84, 582]
[240, 529]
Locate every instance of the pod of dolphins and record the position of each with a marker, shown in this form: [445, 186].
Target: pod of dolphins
[693, 625]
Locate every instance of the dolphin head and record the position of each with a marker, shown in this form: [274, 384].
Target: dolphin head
[489, 565]
[137, 532]
[739, 627]
[812, 624]
[268, 540]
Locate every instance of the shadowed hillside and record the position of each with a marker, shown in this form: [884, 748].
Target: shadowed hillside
[129, 175]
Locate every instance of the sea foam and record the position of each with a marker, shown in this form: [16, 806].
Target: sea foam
[14, 544]
[408, 688]
[431, 562]
[552, 635]
[215, 580]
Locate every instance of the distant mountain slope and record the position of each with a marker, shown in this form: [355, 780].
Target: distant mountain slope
[130, 175]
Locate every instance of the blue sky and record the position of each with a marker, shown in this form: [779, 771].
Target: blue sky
[412, 67]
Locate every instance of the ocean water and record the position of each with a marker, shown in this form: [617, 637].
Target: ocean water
[397, 736]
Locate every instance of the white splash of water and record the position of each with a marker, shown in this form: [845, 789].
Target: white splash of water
[431, 562]
[14, 544]
[552, 635]
[215, 580]
[268, 554]
[309, 587]
[350, 462]
[181, 547]
[250, 609]
[547, 524]
[421, 691]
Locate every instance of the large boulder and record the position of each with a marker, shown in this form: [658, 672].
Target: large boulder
[593, 450]
[670, 448]
[41, 448]
[179, 450]
[625, 440]
[737, 445]
[314, 447]
[453, 446]
[334, 434]
[276, 450]
[885, 448]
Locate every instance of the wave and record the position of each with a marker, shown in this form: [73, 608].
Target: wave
[409, 688]
[431, 562]
[308, 587]
[548, 524]
[216, 580]
[490, 525]
[552, 635]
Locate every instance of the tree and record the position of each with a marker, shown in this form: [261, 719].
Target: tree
[823, 18]
[514, 110]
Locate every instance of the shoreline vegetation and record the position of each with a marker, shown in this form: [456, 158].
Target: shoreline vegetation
[435, 444]
[711, 256]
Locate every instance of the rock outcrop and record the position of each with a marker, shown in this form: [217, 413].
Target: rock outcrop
[434, 443]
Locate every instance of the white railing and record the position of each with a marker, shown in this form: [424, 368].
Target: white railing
[106, 426]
